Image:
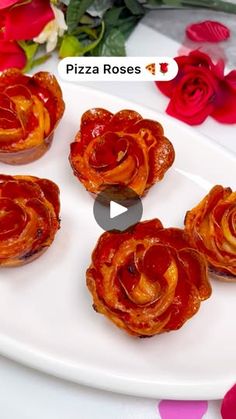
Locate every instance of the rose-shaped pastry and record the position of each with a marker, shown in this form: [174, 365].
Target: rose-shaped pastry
[122, 149]
[147, 280]
[30, 109]
[211, 227]
[29, 218]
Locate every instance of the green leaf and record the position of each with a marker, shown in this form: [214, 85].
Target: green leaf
[173, 3]
[87, 31]
[113, 44]
[30, 50]
[224, 6]
[94, 44]
[219, 5]
[86, 20]
[72, 47]
[112, 16]
[120, 18]
[69, 47]
[75, 11]
[127, 25]
[99, 7]
[153, 3]
[40, 60]
[135, 7]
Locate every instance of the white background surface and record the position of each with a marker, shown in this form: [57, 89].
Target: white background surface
[25, 393]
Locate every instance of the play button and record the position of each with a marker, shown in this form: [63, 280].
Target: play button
[117, 208]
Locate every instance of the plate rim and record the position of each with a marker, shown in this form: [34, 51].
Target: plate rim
[99, 379]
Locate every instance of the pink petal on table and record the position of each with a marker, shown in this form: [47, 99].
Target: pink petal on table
[228, 407]
[171, 409]
[208, 31]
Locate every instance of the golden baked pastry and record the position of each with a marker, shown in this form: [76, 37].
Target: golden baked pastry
[30, 109]
[121, 149]
[211, 227]
[29, 218]
[147, 280]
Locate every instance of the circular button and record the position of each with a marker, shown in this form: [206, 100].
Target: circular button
[117, 208]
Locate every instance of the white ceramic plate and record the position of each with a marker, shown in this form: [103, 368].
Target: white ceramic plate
[46, 317]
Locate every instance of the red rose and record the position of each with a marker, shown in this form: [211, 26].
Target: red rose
[22, 20]
[200, 89]
[164, 67]
[11, 55]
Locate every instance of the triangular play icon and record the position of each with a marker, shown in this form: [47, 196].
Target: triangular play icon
[116, 209]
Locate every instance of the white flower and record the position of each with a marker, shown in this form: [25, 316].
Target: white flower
[52, 30]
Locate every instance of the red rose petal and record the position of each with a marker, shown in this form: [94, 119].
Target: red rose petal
[11, 55]
[166, 87]
[219, 69]
[37, 12]
[208, 31]
[196, 118]
[7, 3]
[225, 109]
[228, 407]
[231, 79]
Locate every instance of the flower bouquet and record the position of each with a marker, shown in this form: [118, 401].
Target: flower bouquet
[31, 29]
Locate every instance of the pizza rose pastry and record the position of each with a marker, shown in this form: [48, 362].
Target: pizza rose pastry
[147, 280]
[30, 109]
[122, 149]
[29, 218]
[211, 227]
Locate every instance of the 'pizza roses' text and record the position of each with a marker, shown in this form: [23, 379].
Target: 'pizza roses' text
[107, 69]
